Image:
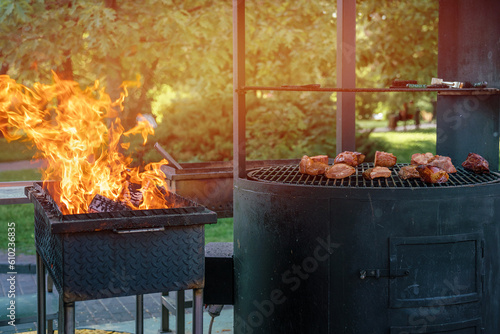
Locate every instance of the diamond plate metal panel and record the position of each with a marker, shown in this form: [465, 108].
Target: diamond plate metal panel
[95, 265]
[111, 263]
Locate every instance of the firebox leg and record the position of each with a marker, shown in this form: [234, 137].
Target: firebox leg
[66, 323]
[40, 290]
[165, 321]
[139, 319]
[180, 312]
[197, 311]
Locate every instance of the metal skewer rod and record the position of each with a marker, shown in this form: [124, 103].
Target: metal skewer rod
[167, 156]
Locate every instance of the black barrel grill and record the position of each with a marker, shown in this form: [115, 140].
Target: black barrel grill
[111, 254]
[314, 255]
[374, 259]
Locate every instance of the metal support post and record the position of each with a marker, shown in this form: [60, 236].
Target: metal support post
[66, 324]
[346, 75]
[40, 290]
[139, 314]
[197, 311]
[239, 107]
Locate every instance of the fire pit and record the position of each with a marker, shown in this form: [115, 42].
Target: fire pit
[111, 254]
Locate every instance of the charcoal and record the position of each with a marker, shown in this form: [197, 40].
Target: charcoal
[103, 204]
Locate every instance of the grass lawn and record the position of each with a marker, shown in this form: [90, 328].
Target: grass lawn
[220, 232]
[373, 123]
[404, 144]
[20, 175]
[23, 216]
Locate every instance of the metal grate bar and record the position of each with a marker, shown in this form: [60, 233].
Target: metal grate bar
[290, 174]
[178, 205]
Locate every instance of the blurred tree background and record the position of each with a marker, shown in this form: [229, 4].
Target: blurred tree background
[182, 51]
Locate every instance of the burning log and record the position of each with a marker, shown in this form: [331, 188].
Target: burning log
[103, 204]
[132, 194]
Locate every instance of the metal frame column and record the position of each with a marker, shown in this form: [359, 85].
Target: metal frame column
[346, 75]
[239, 102]
[468, 50]
[40, 290]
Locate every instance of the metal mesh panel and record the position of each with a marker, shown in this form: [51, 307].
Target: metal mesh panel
[290, 175]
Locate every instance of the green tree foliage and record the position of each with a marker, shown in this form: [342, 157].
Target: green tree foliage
[395, 40]
[186, 46]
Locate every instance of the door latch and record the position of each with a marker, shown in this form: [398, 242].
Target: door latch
[386, 273]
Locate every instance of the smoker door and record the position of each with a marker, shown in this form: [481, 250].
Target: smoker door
[443, 270]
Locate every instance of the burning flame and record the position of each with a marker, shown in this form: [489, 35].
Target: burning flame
[68, 126]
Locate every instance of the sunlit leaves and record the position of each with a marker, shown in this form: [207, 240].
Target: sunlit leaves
[188, 46]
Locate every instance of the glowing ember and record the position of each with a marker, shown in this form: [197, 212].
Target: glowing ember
[68, 126]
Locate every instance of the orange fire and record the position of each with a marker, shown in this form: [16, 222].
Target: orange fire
[68, 126]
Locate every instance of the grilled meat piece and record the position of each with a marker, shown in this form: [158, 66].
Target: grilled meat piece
[421, 158]
[375, 172]
[432, 174]
[428, 158]
[349, 158]
[311, 167]
[384, 159]
[408, 172]
[340, 171]
[444, 163]
[320, 158]
[476, 163]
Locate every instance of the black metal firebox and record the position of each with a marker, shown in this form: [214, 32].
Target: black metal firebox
[111, 254]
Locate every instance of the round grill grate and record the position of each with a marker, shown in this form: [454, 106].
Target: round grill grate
[290, 174]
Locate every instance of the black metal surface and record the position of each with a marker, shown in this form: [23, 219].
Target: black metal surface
[219, 274]
[290, 175]
[299, 252]
[469, 51]
[164, 251]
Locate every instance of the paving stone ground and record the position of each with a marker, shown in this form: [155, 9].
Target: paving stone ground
[90, 312]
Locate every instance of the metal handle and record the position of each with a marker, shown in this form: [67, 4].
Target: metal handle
[140, 230]
[378, 273]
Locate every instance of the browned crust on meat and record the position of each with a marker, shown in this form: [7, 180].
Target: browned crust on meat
[385, 159]
[376, 172]
[340, 171]
[432, 174]
[350, 158]
[408, 172]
